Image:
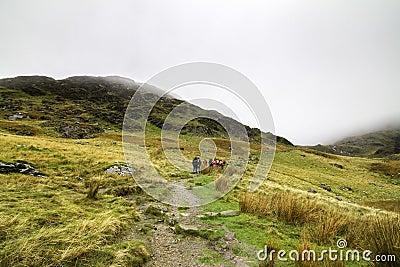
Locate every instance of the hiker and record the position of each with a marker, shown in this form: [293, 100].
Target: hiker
[221, 163]
[196, 164]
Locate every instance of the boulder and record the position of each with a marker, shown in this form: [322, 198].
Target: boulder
[339, 166]
[16, 116]
[325, 187]
[122, 170]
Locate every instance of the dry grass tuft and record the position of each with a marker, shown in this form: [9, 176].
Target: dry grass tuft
[379, 233]
[51, 221]
[73, 243]
[303, 249]
[270, 258]
[389, 205]
[287, 206]
[93, 187]
[330, 225]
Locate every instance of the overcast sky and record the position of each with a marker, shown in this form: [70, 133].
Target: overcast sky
[328, 69]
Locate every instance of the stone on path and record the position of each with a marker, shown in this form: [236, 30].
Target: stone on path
[187, 229]
[227, 213]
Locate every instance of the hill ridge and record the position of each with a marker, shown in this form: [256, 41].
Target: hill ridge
[379, 144]
[91, 101]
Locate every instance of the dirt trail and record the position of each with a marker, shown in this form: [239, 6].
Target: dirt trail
[170, 249]
[180, 194]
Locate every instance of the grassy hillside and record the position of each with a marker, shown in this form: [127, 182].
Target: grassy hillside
[51, 221]
[85, 106]
[380, 144]
[71, 213]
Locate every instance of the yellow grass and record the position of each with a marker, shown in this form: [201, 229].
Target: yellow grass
[324, 224]
[50, 221]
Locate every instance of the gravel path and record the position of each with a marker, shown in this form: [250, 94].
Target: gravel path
[170, 249]
[180, 194]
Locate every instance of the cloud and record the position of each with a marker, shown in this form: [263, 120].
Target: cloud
[326, 68]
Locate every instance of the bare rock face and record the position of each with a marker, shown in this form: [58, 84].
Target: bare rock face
[20, 167]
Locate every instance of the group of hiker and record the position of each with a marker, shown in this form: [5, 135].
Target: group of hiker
[198, 164]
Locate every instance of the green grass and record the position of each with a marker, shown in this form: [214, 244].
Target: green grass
[212, 257]
[50, 221]
[79, 216]
[200, 180]
[292, 170]
[226, 203]
[377, 233]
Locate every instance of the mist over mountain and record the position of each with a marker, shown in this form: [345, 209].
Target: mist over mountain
[383, 143]
[85, 106]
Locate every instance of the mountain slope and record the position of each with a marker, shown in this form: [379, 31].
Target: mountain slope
[80, 213]
[385, 143]
[85, 106]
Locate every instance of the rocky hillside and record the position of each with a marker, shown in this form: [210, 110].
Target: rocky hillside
[384, 143]
[85, 106]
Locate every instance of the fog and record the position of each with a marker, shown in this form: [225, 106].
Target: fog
[328, 69]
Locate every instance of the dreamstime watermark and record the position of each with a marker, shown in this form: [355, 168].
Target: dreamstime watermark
[339, 254]
[150, 106]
